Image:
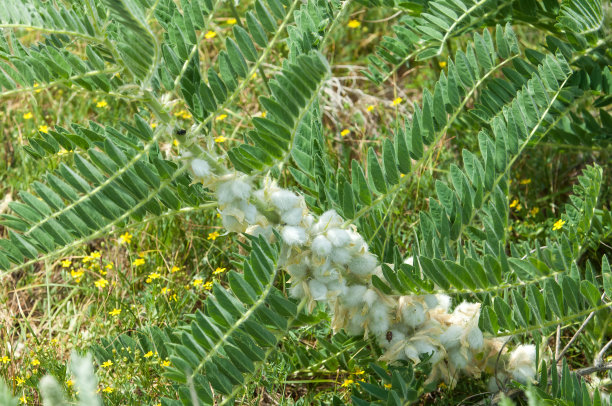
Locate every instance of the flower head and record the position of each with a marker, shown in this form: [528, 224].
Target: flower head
[345, 132]
[370, 108]
[347, 383]
[5, 359]
[28, 115]
[210, 35]
[213, 236]
[231, 21]
[125, 238]
[397, 101]
[558, 225]
[208, 285]
[35, 362]
[220, 139]
[101, 283]
[354, 24]
[218, 271]
[43, 129]
[221, 117]
[101, 104]
[148, 354]
[138, 262]
[115, 312]
[66, 263]
[107, 364]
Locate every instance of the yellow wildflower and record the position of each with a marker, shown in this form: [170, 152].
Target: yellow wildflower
[101, 104]
[397, 101]
[19, 381]
[165, 291]
[101, 283]
[175, 269]
[142, 254]
[370, 108]
[347, 383]
[180, 113]
[23, 400]
[153, 276]
[359, 371]
[165, 363]
[43, 129]
[95, 255]
[213, 236]
[107, 364]
[345, 132]
[210, 35]
[35, 362]
[66, 263]
[232, 21]
[153, 125]
[218, 271]
[558, 225]
[534, 211]
[77, 275]
[115, 312]
[442, 64]
[186, 115]
[28, 115]
[108, 389]
[148, 354]
[174, 298]
[387, 385]
[138, 262]
[208, 285]
[220, 139]
[264, 114]
[109, 266]
[525, 181]
[197, 282]
[125, 238]
[354, 24]
[175, 143]
[5, 359]
[221, 117]
[37, 90]
[514, 203]
[69, 382]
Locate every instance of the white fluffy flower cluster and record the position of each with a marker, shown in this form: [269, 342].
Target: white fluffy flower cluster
[330, 262]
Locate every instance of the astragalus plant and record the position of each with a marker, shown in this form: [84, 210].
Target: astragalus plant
[466, 302]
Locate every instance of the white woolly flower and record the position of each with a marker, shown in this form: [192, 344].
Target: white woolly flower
[200, 168]
[298, 271]
[336, 288]
[390, 338]
[233, 189]
[338, 237]
[284, 200]
[363, 265]
[458, 358]
[413, 314]
[466, 312]
[521, 364]
[354, 295]
[341, 256]
[321, 246]
[318, 290]
[297, 290]
[416, 347]
[378, 322]
[328, 220]
[439, 301]
[294, 235]
[325, 273]
[475, 339]
[451, 338]
[293, 217]
[355, 324]
[231, 223]
[370, 297]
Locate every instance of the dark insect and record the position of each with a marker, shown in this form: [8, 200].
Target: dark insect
[389, 336]
[181, 131]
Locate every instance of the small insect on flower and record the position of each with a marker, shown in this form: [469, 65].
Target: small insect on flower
[389, 336]
[354, 24]
[558, 225]
[397, 101]
[115, 312]
[180, 131]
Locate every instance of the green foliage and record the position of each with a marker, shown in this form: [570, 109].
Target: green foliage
[499, 92]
